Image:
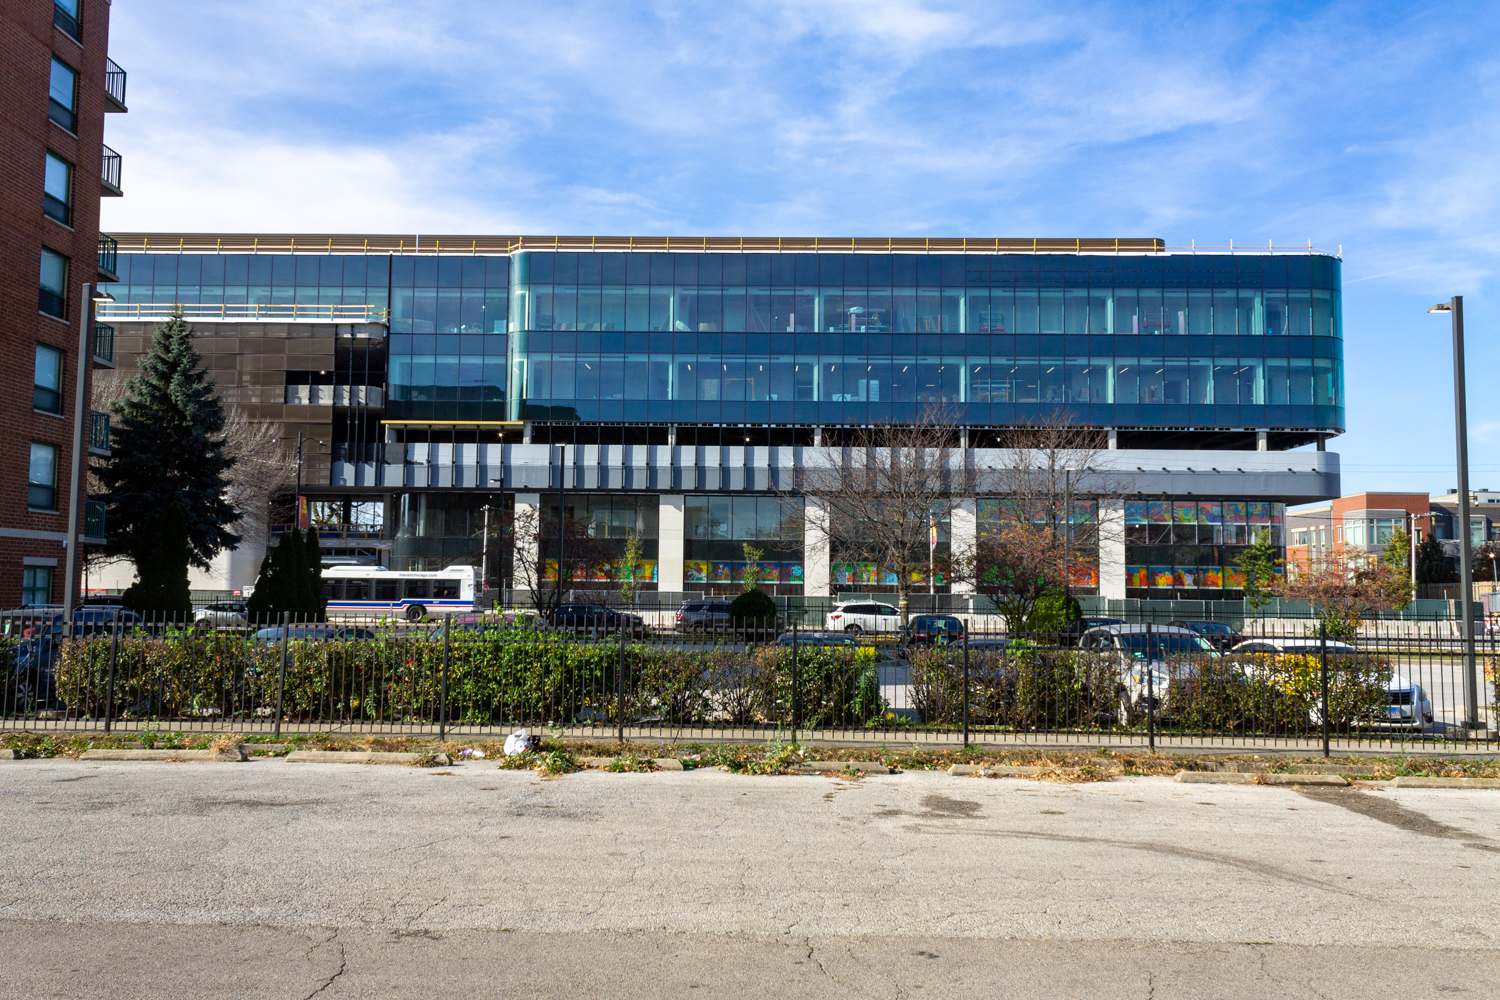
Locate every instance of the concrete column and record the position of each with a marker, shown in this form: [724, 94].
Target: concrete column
[669, 544]
[1112, 549]
[528, 508]
[817, 574]
[963, 533]
[1114, 439]
[1260, 441]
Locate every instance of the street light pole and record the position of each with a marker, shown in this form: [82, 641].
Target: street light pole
[1067, 533]
[1454, 307]
[562, 538]
[297, 499]
[76, 492]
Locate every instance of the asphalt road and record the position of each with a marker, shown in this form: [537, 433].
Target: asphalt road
[269, 879]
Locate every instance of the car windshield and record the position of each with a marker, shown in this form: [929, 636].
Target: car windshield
[1136, 643]
[1211, 628]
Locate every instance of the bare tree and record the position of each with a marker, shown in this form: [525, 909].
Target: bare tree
[1344, 585]
[1029, 543]
[879, 494]
[263, 465]
[533, 540]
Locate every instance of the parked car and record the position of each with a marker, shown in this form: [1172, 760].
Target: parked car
[29, 682]
[1408, 705]
[1221, 635]
[1078, 626]
[863, 616]
[1145, 670]
[225, 614]
[594, 617]
[818, 639]
[703, 616]
[932, 630]
[313, 632]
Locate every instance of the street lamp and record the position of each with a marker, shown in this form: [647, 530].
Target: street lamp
[1454, 307]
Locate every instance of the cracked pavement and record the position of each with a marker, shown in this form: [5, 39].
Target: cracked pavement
[268, 879]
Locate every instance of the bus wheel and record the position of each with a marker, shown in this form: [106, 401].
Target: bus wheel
[415, 613]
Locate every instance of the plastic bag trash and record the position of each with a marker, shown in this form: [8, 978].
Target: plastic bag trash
[521, 741]
[471, 752]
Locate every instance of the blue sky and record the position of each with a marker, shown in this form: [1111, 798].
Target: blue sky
[1366, 126]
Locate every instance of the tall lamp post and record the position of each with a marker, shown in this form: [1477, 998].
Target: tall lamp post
[1454, 307]
[77, 495]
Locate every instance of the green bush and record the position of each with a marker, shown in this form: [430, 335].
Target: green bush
[753, 610]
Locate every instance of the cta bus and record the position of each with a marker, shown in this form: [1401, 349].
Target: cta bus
[374, 590]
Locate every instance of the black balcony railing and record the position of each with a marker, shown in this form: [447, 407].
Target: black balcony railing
[99, 432]
[93, 519]
[114, 85]
[109, 257]
[65, 16]
[110, 177]
[104, 343]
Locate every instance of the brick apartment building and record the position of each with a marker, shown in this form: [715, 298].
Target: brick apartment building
[1362, 522]
[56, 85]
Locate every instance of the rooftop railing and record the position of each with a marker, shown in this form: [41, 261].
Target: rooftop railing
[281, 312]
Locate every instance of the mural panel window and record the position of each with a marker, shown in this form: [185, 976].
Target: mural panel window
[719, 529]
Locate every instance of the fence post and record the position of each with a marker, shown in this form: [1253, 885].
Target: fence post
[114, 658]
[620, 687]
[794, 680]
[286, 627]
[443, 691]
[1323, 680]
[1150, 694]
[966, 685]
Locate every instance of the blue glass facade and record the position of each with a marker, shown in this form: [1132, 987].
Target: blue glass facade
[1129, 341]
[1118, 341]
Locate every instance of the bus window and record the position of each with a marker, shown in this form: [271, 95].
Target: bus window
[334, 589]
[418, 588]
[356, 590]
[445, 589]
[387, 590]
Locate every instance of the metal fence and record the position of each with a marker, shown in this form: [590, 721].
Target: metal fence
[609, 674]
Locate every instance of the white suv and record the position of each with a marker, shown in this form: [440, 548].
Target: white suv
[863, 616]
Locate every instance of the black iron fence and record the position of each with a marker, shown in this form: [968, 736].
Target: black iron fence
[607, 673]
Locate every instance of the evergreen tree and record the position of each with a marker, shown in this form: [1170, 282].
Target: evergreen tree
[317, 608]
[264, 602]
[161, 588]
[1433, 564]
[292, 551]
[168, 450]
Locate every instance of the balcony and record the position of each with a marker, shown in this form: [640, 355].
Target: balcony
[98, 433]
[104, 345]
[109, 258]
[93, 522]
[114, 87]
[109, 179]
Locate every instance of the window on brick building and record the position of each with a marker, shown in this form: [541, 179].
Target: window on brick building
[46, 392]
[63, 93]
[36, 586]
[53, 295]
[65, 16]
[41, 491]
[57, 190]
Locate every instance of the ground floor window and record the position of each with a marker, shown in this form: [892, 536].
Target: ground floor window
[36, 586]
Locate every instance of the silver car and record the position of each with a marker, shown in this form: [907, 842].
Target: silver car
[225, 614]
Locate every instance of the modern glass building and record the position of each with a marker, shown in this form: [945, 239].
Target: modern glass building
[691, 377]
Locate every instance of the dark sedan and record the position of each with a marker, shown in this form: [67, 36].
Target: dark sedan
[932, 630]
[1220, 635]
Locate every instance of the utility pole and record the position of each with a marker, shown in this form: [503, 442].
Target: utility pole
[562, 534]
[1454, 307]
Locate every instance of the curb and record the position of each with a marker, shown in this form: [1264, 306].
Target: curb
[836, 766]
[997, 770]
[209, 755]
[7, 753]
[361, 757]
[1214, 778]
[1424, 782]
[1337, 780]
